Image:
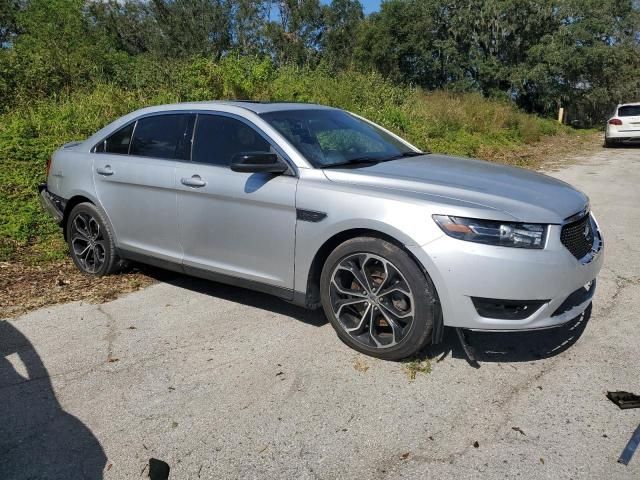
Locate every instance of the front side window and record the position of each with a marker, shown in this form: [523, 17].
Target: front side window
[117, 142]
[218, 139]
[162, 136]
[335, 137]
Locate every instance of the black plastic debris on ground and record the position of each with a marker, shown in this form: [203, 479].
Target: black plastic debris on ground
[624, 400]
[158, 470]
[631, 447]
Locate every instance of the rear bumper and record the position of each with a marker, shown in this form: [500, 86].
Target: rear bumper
[615, 134]
[51, 203]
[548, 281]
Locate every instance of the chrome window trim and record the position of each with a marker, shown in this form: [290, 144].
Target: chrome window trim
[293, 168]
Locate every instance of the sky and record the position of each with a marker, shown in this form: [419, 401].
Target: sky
[368, 5]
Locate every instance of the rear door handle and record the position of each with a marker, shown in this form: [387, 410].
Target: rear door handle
[194, 181]
[106, 170]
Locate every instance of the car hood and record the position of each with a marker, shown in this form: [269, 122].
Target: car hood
[522, 194]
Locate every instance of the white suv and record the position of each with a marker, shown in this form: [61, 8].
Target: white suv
[624, 125]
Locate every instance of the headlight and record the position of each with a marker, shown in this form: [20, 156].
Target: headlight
[491, 232]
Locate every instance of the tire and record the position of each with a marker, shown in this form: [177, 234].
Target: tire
[91, 241]
[610, 143]
[392, 317]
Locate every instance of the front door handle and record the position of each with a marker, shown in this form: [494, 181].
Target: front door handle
[106, 170]
[194, 181]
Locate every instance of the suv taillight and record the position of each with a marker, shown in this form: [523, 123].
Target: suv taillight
[48, 166]
[615, 121]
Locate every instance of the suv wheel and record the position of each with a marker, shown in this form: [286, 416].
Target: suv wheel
[377, 299]
[91, 242]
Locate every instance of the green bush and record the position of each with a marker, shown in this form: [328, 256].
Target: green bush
[456, 123]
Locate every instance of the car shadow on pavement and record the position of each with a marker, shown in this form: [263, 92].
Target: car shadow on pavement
[38, 439]
[250, 298]
[488, 346]
[512, 346]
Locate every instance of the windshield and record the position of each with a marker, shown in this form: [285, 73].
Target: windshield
[334, 137]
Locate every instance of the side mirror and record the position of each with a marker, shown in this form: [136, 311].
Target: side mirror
[258, 162]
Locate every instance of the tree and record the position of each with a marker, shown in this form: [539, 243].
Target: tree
[130, 24]
[342, 19]
[410, 41]
[191, 27]
[293, 37]
[589, 63]
[58, 49]
[249, 18]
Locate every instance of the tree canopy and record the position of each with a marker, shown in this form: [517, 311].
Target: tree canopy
[541, 54]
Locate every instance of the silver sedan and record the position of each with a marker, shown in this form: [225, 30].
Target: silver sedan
[324, 208]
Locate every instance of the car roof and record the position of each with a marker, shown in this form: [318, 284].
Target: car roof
[632, 104]
[253, 106]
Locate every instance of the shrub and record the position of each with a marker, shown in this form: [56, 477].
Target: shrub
[455, 123]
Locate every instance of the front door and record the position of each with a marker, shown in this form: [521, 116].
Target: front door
[235, 225]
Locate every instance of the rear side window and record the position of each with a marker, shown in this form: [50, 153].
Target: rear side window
[629, 111]
[218, 139]
[118, 142]
[162, 136]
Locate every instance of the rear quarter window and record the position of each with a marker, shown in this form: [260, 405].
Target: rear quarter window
[117, 142]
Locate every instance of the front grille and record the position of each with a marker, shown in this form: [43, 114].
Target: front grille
[578, 237]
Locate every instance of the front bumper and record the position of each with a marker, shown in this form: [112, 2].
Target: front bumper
[51, 203]
[462, 271]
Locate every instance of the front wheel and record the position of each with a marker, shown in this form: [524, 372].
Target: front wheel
[377, 299]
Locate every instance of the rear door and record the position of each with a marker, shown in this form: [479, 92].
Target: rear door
[134, 172]
[630, 117]
[235, 225]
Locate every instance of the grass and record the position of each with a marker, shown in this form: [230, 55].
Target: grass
[454, 123]
[415, 366]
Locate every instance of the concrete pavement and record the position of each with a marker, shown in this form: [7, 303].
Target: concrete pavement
[221, 382]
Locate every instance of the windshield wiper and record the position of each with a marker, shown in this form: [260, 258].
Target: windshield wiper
[405, 155]
[355, 161]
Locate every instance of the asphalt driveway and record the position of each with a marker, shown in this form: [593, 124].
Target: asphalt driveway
[221, 382]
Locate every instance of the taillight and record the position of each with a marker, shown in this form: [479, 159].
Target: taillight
[615, 121]
[48, 166]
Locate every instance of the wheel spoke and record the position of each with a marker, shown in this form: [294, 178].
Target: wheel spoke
[347, 302]
[94, 228]
[90, 260]
[395, 328]
[347, 291]
[393, 311]
[357, 275]
[361, 322]
[363, 273]
[371, 329]
[81, 227]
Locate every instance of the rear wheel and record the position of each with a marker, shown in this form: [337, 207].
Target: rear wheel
[377, 299]
[91, 241]
[608, 143]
